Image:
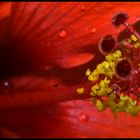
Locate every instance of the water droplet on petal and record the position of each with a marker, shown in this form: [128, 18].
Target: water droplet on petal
[93, 30]
[83, 7]
[136, 72]
[83, 118]
[85, 28]
[62, 33]
[5, 86]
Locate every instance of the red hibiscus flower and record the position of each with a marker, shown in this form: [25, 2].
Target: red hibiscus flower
[45, 50]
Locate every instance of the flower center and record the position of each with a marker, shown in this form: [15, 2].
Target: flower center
[116, 82]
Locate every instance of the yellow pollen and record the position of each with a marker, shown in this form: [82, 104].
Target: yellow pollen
[80, 90]
[137, 44]
[88, 72]
[103, 95]
[134, 38]
[99, 105]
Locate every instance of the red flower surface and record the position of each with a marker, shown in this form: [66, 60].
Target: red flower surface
[45, 49]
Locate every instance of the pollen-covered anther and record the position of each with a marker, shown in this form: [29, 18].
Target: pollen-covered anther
[124, 98]
[107, 44]
[80, 90]
[106, 67]
[100, 106]
[134, 38]
[117, 55]
[88, 72]
[101, 89]
[137, 44]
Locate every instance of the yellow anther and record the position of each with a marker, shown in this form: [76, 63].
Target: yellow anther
[112, 96]
[132, 102]
[88, 72]
[106, 67]
[134, 38]
[124, 98]
[110, 74]
[95, 88]
[92, 93]
[137, 44]
[121, 105]
[99, 105]
[117, 55]
[109, 58]
[134, 111]
[80, 90]
[129, 40]
[93, 77]
[105, 64]
[102, 88]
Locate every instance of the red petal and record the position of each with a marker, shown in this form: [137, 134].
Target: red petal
[4, 133]
[44, 32]
[76, 50]
[70, 119]
[5, 9]
[125, 126]
[59, 32]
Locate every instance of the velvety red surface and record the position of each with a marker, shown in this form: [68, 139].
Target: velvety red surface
[55, 42]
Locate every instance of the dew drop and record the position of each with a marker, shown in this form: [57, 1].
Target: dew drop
[136, 72]
[5, 86]
[83, 118]
[83, 7]
[62, 33]
[93, 30]
[85, 28]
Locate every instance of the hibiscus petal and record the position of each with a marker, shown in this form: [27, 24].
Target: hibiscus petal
[77, 55]
[4, 133]
[48, 38]
[5, 9]
[45, 30]
[117, 131]
[70, 119]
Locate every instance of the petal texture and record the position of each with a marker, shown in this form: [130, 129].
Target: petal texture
[70, 119]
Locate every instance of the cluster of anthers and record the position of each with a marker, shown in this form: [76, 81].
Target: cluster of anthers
[117, 77]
